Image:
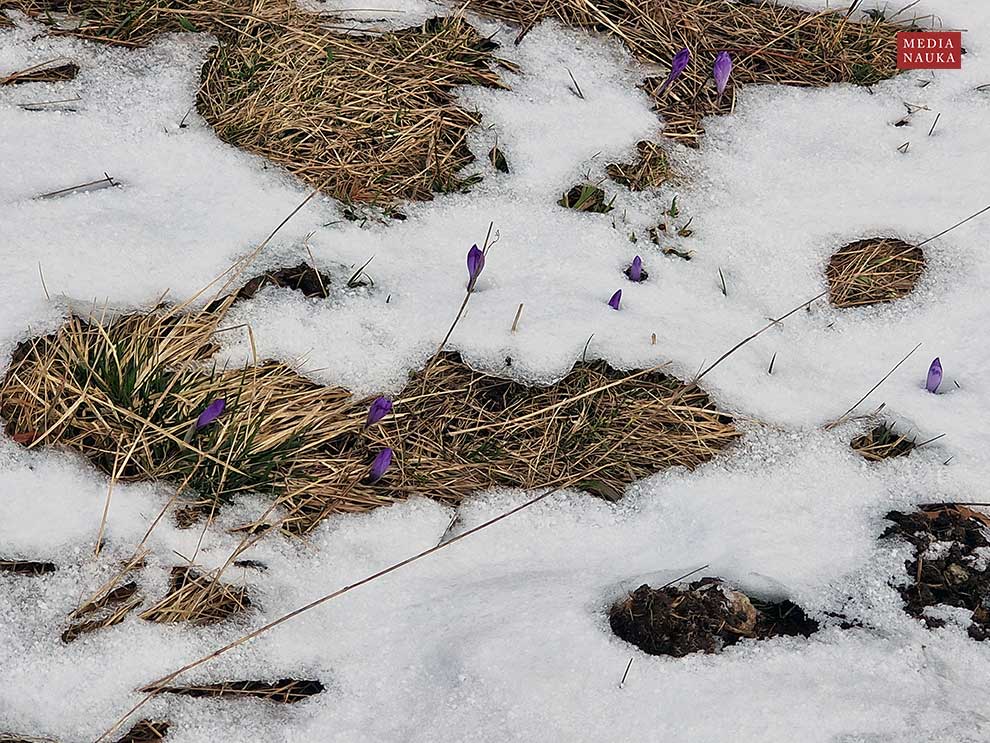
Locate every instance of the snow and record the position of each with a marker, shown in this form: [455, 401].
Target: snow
[504, 635]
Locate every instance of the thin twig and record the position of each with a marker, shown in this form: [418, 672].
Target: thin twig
[883, 379]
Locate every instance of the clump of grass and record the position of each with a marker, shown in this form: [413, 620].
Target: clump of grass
[365, 118]
[197, 598]
[873, 271]
[46, 72]
[32, 568]
[146, 731]
[126, 391]
[283, 691]
[651, 170]
[882, 442]
[587, 197]
[769, 43]
[106, 610]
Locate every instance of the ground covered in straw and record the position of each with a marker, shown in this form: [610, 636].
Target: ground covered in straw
[743, 515]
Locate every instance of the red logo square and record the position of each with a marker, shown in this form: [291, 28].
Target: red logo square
[939, 50]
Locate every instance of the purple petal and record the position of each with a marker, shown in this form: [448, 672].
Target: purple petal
[211, 413]
[615, 300]
[381, 407]
[636, 269]
[475, 264]
[934, 376]
[723, 68]
[681, 60]
[382, 462]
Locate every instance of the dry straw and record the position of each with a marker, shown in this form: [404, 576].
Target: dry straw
[872, 271]
[366, 118]
[124, 391]
[769, 43]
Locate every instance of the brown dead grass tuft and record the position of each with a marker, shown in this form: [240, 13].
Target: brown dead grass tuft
[364, 117]
[126, 391]
[882, 442]
[146, 731]
[769, 43]
[46, 72]
[283, 691]
[873, 271]
[198, 599]
[650, 170]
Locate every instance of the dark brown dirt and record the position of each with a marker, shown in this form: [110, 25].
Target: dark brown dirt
[953, 578]
[706, 616]
[302, 278]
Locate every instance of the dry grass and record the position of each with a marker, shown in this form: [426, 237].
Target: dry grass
[146, 731]
[882, 442]
[769, 44]
[587, 197]
[283, 691]
[651, 170]
[872, 271]
[198, 599]
[125, 392]
[365, 118]
[109, 609]
[27, 567]
[46, 72]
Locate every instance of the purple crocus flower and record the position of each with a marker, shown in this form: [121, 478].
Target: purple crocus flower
[211, 413]
[614, 301]
[475, 264]
[934, 376]
[681, 60]
[382, 462]
[636, 269]
[381, 407]
[722, 70]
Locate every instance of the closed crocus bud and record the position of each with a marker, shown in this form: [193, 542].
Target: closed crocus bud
[681, 60]
[475, 264]
[382, 462]
[381, 407]
[636, 269]
[211, 413]
[722, 70]
[615, 300]
[934, 376]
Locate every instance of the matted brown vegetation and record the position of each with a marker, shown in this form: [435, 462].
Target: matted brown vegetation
[126, 392]
[769, 43]
[146, 731]
[882, 442]
[705, 616]
[651, 170]
[873, 271]
[365, 118]
[198, 599]
[107, 610]
[46, 72]
[956, 572]
[283, 691]
[27, 567]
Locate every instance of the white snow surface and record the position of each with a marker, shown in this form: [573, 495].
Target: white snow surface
[504, 636]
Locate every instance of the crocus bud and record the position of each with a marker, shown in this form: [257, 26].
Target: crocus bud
[636, 269]
[615, 300]
[382, 462]
[475, 264]
[681, 60]
[934, 376]
[381, 407]
[211, 413]
[722, 70]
